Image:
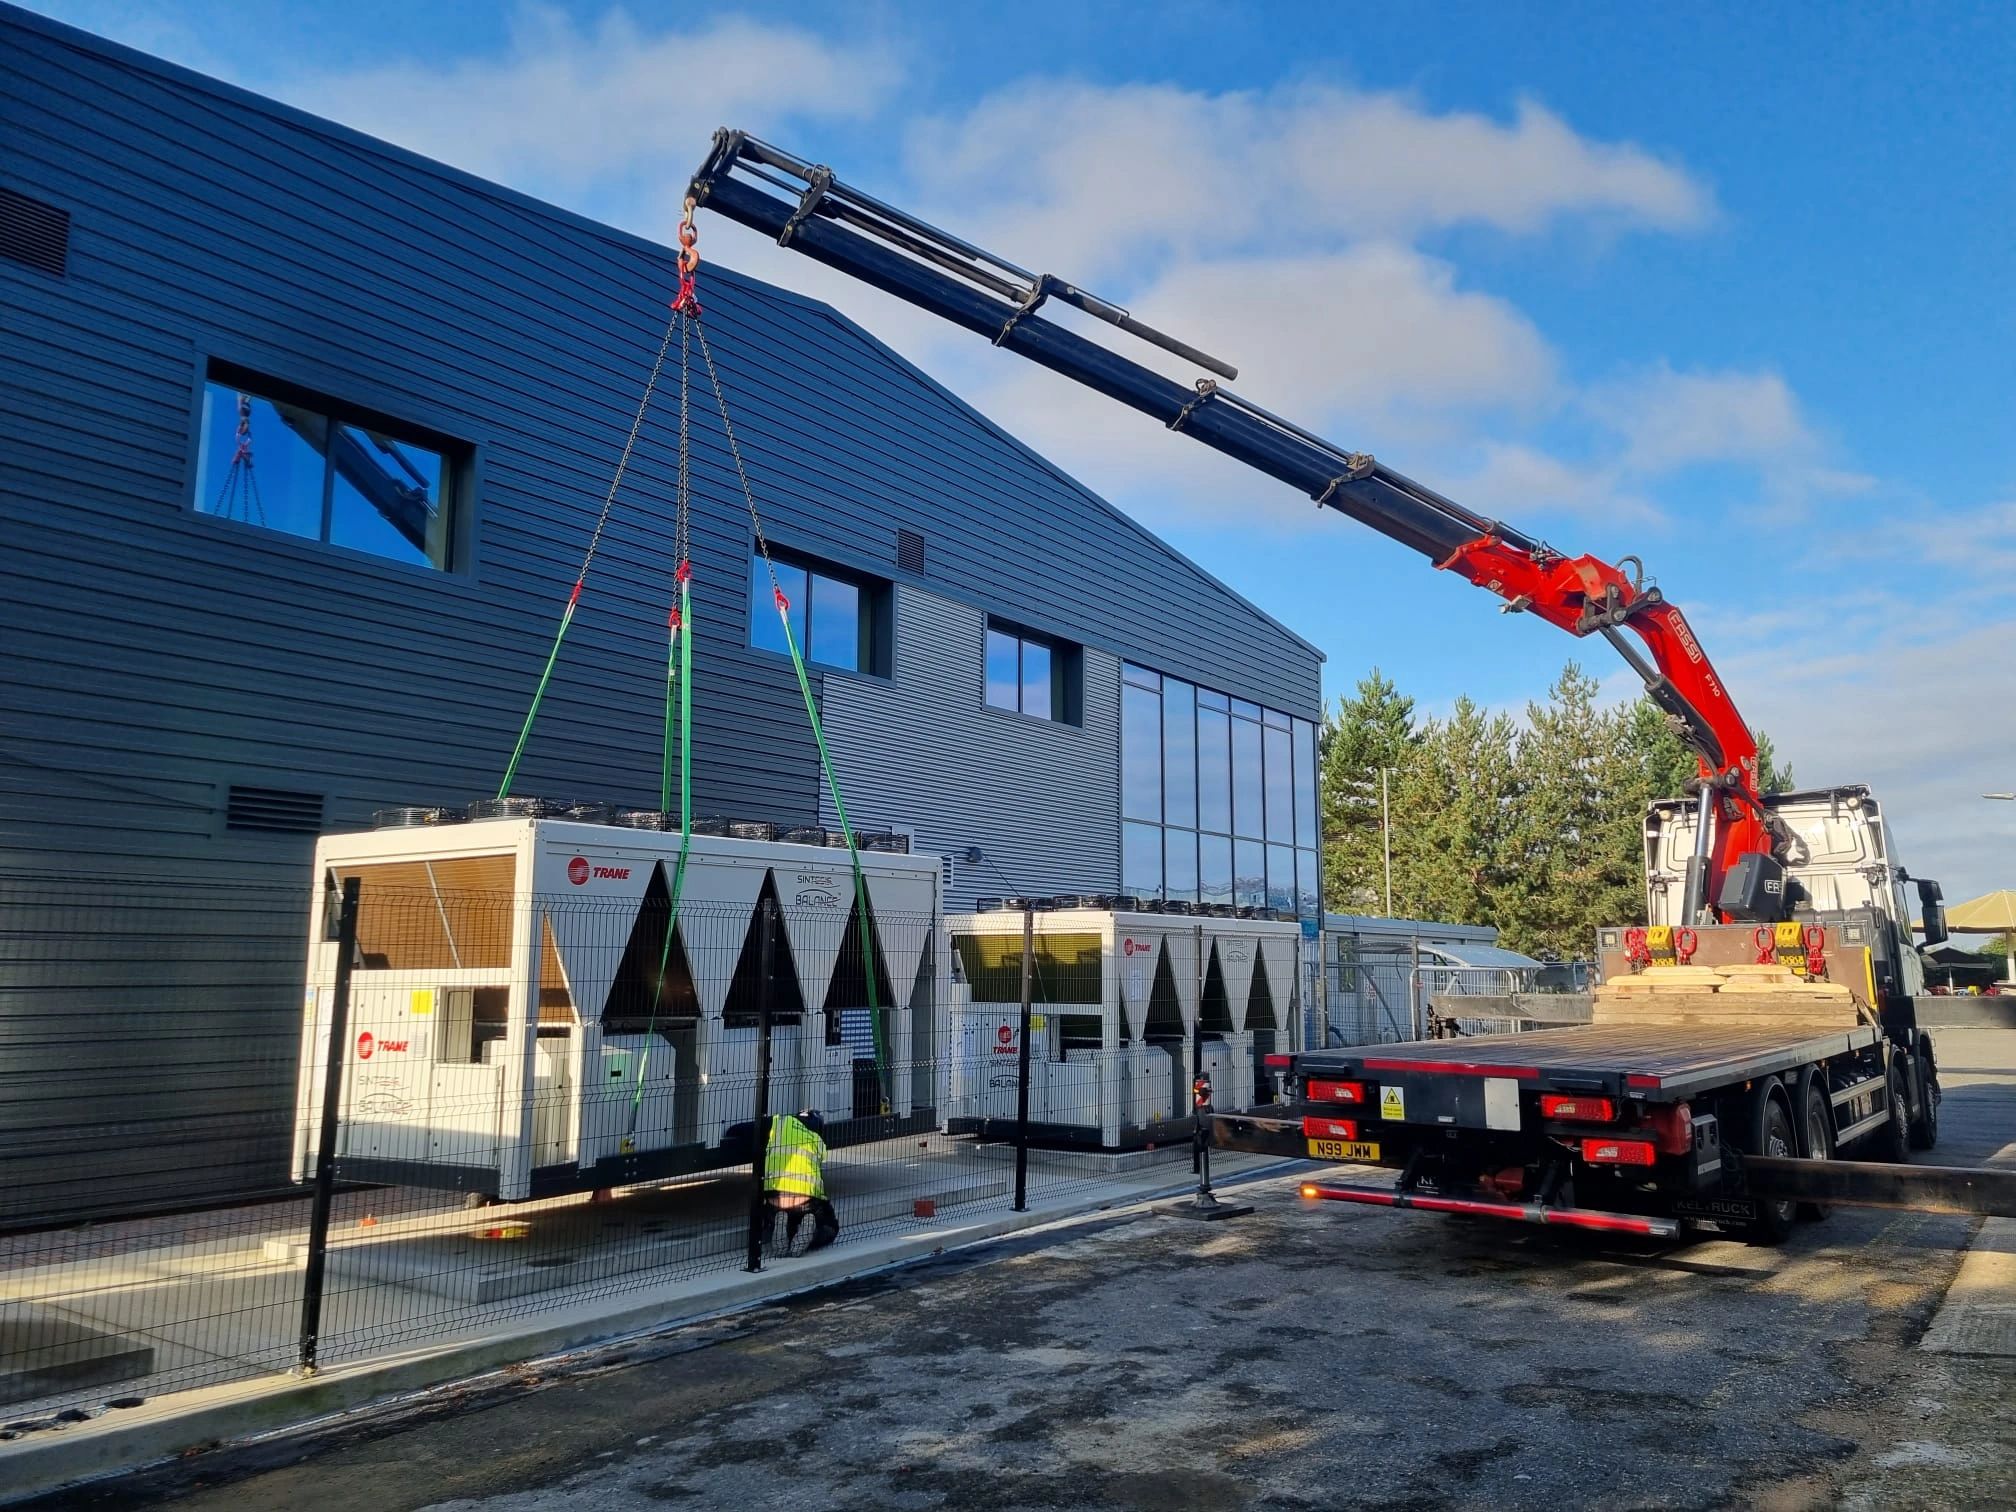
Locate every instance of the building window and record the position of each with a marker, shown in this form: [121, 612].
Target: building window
[277, 457]
[840, 619]
[1033, 674]
[1229, 787]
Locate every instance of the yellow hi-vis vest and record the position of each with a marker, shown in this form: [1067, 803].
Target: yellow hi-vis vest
[796, 1159]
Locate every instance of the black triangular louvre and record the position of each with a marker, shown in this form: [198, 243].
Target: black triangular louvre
[787, 1001]
[1260, 1006]
[630, 1009]
[1215, 1012]
[1165, 1011]
[848, 987]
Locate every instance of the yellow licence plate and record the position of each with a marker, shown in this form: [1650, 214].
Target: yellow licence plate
[1340, 1149]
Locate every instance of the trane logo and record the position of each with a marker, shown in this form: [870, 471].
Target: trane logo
[369, 1045]
[579, 871]
[1136, 947]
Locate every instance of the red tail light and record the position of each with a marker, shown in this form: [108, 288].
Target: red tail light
[1673, 1126]
[1337, 1091]
[1278, 1062]
[1329, 1128]
[1633, 1152]
[1578, 1109]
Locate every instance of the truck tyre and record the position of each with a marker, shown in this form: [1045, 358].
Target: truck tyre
[1818, 1131]
[1771, 1133]
[1893, 1140]
[1925, 1127]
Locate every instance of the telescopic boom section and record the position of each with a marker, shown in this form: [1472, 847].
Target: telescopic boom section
[805, 208]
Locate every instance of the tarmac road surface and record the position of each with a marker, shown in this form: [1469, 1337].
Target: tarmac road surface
[1303, 1357]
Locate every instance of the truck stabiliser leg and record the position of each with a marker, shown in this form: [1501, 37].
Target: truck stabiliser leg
[1519, 1212]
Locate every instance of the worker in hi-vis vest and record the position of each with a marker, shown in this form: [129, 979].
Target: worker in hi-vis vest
[794, 1180]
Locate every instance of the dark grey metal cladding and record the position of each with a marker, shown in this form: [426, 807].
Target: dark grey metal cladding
[1041, 800]
[155, 656]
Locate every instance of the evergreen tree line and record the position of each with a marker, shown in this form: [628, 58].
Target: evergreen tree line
[1536, 827]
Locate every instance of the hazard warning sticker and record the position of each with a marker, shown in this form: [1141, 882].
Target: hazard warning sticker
[1393, 1104]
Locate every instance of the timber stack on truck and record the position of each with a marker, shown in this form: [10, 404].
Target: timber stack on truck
[1764, 1014]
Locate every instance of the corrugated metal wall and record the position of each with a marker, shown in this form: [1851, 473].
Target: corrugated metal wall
[155, 656]
[1041, 800]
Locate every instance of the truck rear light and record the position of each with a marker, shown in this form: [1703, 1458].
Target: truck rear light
[1278, 1062]
[1634, 1152]
[1329, 1128]
[1337, 1091]
[1578, 1109]
[1673, 1126]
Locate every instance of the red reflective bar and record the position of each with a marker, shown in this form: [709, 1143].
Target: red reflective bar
[1337, 1091]
[1636, 1152]
[1641, 1079]
[1578, 1109]
[1329, 1128]
[1611, 1223]
[1616, 1223]
[1278, 1062]
[1453, 1068]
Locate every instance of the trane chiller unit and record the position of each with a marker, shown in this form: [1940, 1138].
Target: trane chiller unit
[1115, 1001]
[520, 1025]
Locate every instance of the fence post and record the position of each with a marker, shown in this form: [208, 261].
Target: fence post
[760, 1135]
[1022, 1063]
[325, 1143]
[1199, 1161]
[1415, 1027]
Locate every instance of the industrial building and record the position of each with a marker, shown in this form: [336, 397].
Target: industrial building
[431, 378]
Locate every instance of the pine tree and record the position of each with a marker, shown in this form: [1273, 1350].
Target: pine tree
[1454, 819]
[1575, 861]
[1374, 728]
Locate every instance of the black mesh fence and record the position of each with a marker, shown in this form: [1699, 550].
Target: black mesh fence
[257, 1131]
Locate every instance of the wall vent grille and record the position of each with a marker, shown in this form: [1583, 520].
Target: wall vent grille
[273, 810]
[34, 234]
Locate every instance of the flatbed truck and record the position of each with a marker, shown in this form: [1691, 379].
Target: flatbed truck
[1643, 1125]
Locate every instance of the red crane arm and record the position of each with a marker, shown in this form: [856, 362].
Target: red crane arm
[806, 208]
[1585, 594]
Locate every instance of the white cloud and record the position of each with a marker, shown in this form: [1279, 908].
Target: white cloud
[1668, 420]
[567, 106]
[1093, 180]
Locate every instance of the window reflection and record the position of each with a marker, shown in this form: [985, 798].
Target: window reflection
[1229, 789]
[1141, 860]
[287, 465]
[1247, 781]
[1003, 670]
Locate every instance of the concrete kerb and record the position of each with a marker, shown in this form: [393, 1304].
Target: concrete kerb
[249, 1411]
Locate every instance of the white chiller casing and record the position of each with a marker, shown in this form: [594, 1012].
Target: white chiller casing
[1115, 1011]
[489, 1046]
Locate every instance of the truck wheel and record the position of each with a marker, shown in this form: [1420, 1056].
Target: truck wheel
[1894, 1139]
[1819, 1141]
[1925, 1127]
[1771, 1134]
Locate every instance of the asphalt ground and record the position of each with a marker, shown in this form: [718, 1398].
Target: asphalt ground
[1302, 1357]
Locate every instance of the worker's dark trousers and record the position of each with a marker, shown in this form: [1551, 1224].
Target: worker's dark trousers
[825, 1223]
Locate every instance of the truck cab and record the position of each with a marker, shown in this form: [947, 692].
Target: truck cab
[1841, 871]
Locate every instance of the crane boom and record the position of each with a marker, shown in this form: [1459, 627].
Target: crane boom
[804, 207]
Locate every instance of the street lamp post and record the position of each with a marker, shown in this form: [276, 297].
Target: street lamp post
[2008, 940]
[1386, 833]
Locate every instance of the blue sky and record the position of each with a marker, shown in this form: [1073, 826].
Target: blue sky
[1726, 287]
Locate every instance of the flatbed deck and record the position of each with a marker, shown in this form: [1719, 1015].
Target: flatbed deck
[1643, 1061]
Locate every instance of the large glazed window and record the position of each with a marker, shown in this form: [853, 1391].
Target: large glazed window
[840, 619]
[1233, 785]
[1034, 674]
[280, 459]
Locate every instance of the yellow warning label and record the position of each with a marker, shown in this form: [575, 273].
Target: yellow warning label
[1037, 1021]
[423, 1002]
[1393, 1104]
